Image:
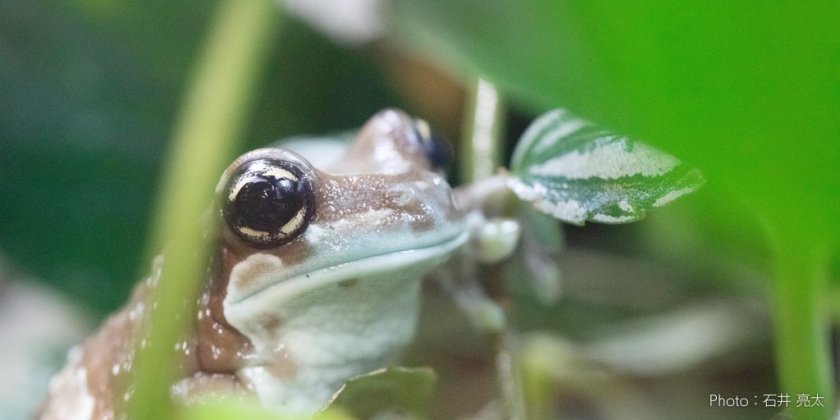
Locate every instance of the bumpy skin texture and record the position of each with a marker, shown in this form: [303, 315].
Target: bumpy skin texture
[94, 382]
[86, 387]
[289, 324]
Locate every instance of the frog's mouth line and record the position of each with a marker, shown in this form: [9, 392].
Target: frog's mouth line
[391, 261]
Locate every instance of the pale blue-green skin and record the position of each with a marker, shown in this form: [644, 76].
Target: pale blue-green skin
[352, 303]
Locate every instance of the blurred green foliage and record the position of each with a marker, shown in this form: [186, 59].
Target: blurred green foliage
[87, 101]
[90, 92]
[747, 91]
[224, 409]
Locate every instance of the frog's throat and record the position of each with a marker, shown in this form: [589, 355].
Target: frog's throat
[319, 276]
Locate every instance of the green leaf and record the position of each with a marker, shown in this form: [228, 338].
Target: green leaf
[748, 91]
[231, 408]
[392, 390]
[577, 172]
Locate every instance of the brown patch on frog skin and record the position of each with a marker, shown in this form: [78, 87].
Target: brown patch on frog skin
[220, 347]
[385, 153]
[111, 347]
[235, 250]
[407, 194]
[269, 323]
[108, 356]
[423, 225]
[390, 134]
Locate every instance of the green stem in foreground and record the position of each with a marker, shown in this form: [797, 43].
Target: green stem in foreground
[483, 125]
[802, 347]
[212, 118]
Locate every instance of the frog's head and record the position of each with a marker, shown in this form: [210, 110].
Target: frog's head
[383, 206]
[322, 264]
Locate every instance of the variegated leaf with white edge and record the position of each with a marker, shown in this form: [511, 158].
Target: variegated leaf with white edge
[576, 171]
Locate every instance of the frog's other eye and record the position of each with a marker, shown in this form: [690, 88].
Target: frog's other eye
[269, 202]
[433, 146]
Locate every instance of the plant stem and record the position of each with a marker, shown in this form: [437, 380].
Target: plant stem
[212, 118]
[509, 375]
[481, 156]
[484, 122]
[802, 346]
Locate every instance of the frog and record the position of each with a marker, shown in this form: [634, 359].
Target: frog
[315, 278]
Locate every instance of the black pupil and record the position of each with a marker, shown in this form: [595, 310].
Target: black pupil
[266, 204]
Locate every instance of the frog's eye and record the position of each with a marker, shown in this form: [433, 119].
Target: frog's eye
[269, 202]
[433, 146]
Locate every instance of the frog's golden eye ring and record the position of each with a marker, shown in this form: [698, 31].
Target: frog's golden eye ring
[433, 146]
[269, 202]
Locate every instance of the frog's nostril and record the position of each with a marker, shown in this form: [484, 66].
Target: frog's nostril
[403, 197]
